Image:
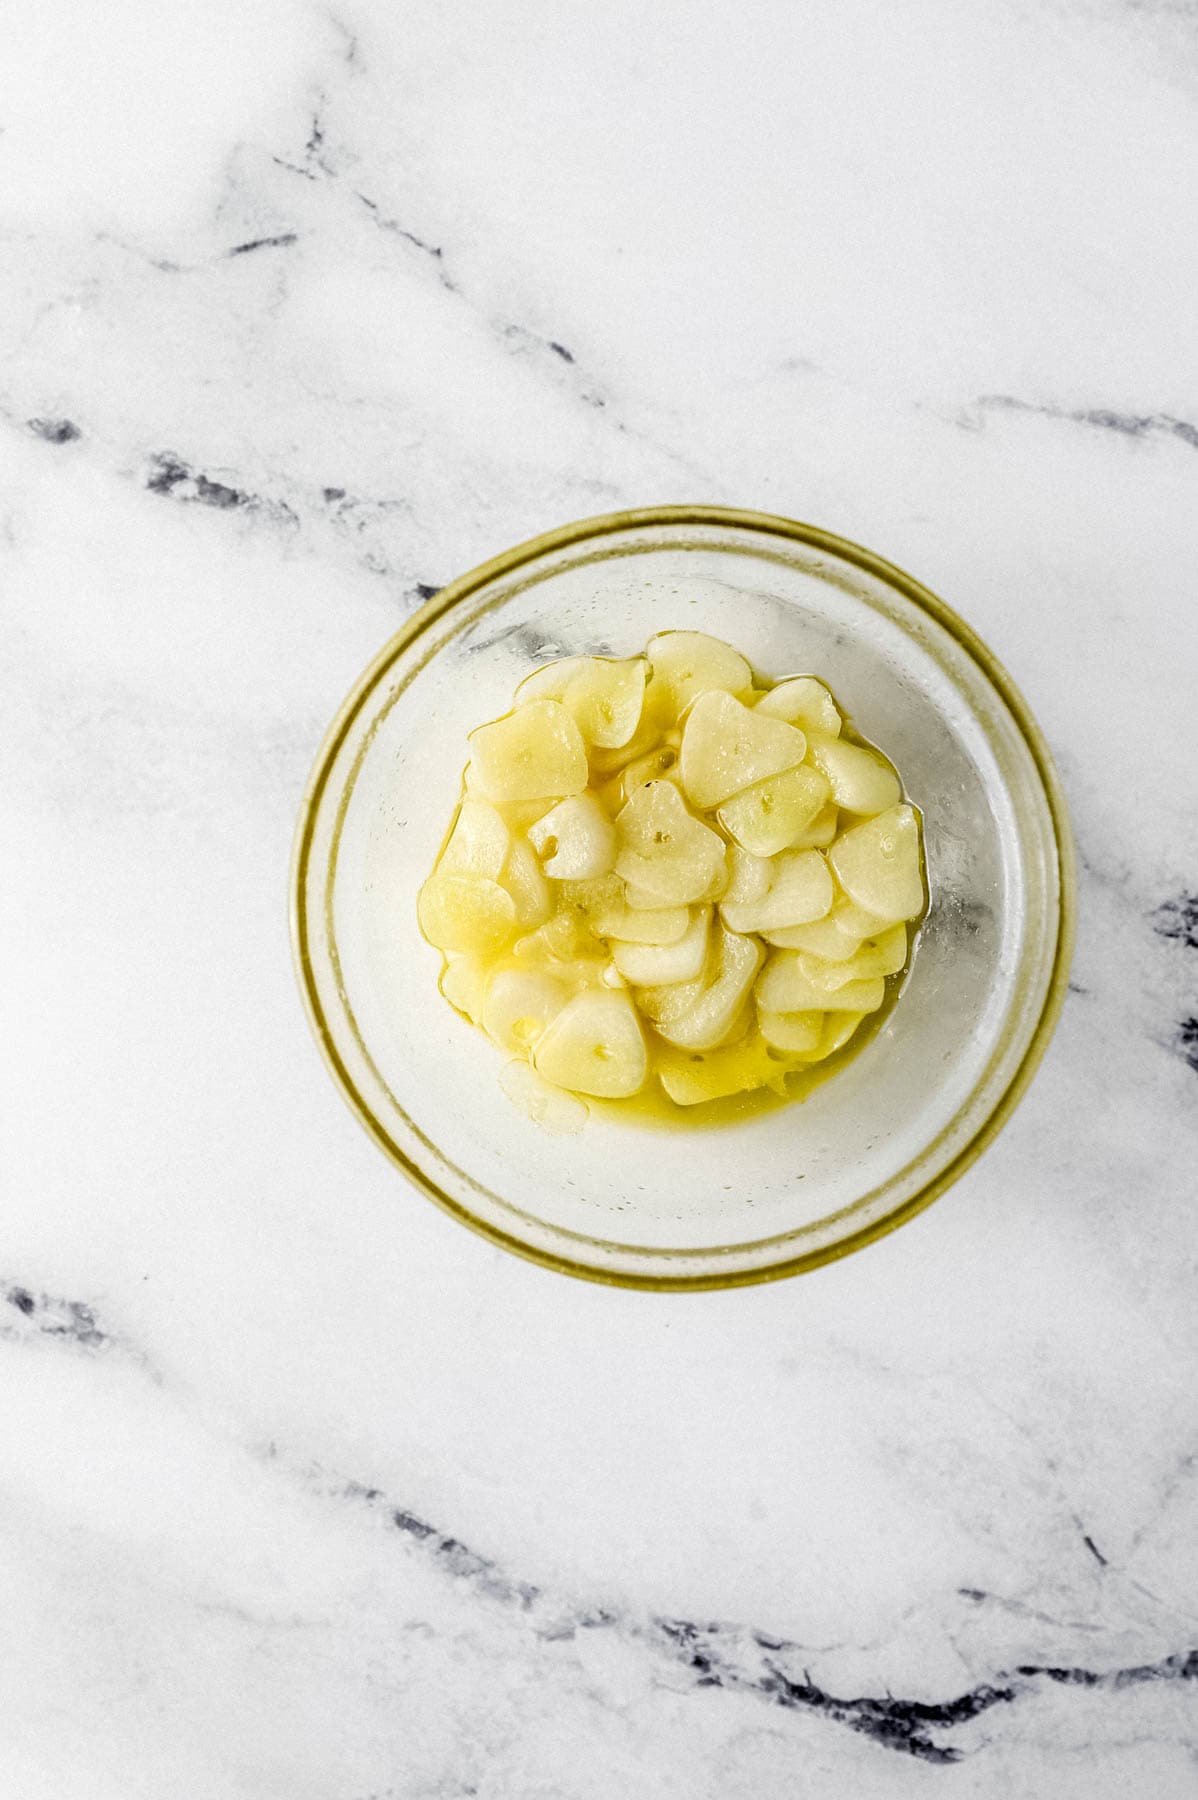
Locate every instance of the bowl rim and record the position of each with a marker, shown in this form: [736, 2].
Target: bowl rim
[593, 528]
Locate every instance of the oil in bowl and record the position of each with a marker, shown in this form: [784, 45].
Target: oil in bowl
[671, 884]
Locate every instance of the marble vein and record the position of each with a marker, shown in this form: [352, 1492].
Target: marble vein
[743, 1660]
[45, 1315]
[55, 431]
[1177, 920]
[169, 476]
[302, 313]
[710, 1655]
[281, 241]
[1101, 418]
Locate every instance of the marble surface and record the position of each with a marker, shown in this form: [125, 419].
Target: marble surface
[304, 1491]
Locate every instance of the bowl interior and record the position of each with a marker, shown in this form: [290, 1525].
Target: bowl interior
[790, 1185]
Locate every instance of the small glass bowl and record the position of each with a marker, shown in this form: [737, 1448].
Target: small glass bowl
[787, 1188]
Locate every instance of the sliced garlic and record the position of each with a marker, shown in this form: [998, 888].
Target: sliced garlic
[575, 839]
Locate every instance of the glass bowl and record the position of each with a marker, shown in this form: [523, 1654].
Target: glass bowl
[785, 1189]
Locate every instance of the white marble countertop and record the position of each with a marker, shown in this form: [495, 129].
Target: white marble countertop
[305, 1492]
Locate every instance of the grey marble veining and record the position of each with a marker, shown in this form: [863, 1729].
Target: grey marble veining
[304, 1491]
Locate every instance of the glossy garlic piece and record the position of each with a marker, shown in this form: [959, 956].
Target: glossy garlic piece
[656, 727]
[799, 1033]
[464, 984]
[662, 1005]
[772, 815]
[575, 839]
[460, 913]
[688, 663]
[836, 937]
[820, 831]
[839, 1027]
[800, 890]
[604, 696]
[518, 815]
[859, 779]
[534, 753]
[587, 900]
[784, 987]
[749, 876]
[660, 764]
[665, 853]
[525, 880]
[884, 955]
[805, 702]
[649, 925]
[478, 844]
[710, 1020]
[878, 865]
[726, 748]
[693, 1078]
[659, 965]
[594, 1046]
[519, 1004]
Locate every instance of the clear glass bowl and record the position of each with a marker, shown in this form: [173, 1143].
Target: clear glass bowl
[791, 1187]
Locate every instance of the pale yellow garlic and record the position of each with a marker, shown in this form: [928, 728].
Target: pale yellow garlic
[665, 853]
[800, 890]
[460, 913]
[692, 1079]
[838, 1029]
[726, 748]
[575, 839]
[526, 882]
[749, 876]
[784, 987]
[878, 865]
[688, 663]
[464, 984]
[796, 1032]
[861, 782]
[519, 1004]
[710, 1020]
[632, 925]
[601, 822]
[662, 1005]
[594, 1046]
[535, 752]
[772, 815]
[605, 696]
[657, 965]
[884, 955]
[805, 702]
[478, 843]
